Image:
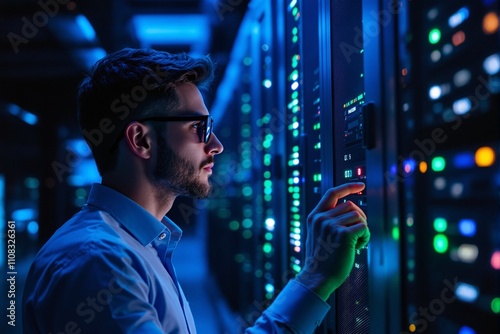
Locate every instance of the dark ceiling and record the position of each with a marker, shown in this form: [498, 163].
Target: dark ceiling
[42, 59]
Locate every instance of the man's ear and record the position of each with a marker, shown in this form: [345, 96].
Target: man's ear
[139, 139]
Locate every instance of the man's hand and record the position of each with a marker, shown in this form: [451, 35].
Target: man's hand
[334, 232]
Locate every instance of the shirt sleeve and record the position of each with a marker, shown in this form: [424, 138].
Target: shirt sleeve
[296, 310]
[95, 291]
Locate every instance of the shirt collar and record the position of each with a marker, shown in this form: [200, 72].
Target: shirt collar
[139, 222]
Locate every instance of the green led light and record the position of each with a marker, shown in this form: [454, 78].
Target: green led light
[239, 258]
[246, 108]
[266, 118]
[247, 234]
[247, 223]
[267, 248]
[247, 191]
[434, 36]
[267, 83]
[411, 277]
[295, 94]
[395, 233]
[234, 225]
[440, 243]
[268, 183]
[246, 131]
[268, 236]
[438, 164]
[269, 287]
[267, 174]
[296, 268]
[440, 224]
[295, 30]
[295, 39]
[245, 98]
[268, 198]
[247, 163]
[495, 305]
[247, 61]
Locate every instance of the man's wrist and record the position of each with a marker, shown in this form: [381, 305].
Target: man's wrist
[316, 283]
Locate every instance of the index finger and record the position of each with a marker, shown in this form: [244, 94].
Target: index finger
[331, 197]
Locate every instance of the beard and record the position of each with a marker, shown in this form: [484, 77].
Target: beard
[174, 174]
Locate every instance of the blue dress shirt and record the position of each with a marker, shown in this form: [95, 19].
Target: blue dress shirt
[109, 270]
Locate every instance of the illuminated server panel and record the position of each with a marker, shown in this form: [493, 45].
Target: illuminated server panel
[351, 302]
[295, 173]
[449, 168]
[303, 140]
[246, 210]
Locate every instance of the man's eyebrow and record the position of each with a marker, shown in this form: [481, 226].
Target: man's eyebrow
[187, 113]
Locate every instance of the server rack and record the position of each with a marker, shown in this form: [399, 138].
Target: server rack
[448, 168]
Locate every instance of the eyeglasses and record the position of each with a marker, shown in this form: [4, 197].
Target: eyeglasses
[204, 128]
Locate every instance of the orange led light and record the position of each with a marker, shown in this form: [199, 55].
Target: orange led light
[490, 23]
[485, 156]
[422, 167]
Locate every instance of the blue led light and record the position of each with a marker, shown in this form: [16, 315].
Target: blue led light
[24, 214]
[24, 115]
[464, 160]
[409, 166]
[168, 29]
[86, 28]
[32, 227]
[491, 64]
[466, 292]
[88, 56]
[459, 17]
[466, 330]
[467, 227]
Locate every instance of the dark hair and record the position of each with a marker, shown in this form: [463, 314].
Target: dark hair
[128, 85]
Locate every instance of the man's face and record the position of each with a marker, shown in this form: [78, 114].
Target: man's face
[184, 164]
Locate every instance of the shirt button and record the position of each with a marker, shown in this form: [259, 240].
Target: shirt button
[163, 235]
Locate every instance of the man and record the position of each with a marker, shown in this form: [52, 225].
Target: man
[109, 269]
